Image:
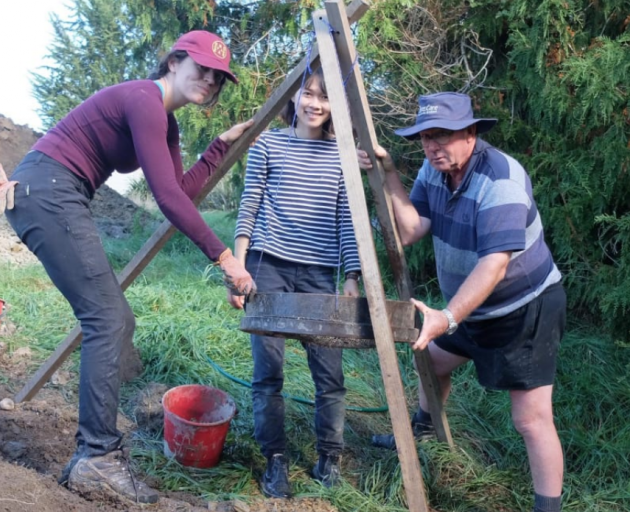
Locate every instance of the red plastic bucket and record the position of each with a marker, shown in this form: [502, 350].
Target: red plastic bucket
[196, 421]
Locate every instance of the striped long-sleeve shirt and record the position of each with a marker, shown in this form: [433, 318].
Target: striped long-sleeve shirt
[492, 210]
[295, 205]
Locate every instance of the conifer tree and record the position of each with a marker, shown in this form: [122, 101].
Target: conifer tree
[557, 77]
[98, 46]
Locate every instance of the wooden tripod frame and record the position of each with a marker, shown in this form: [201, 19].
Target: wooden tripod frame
[335, 52]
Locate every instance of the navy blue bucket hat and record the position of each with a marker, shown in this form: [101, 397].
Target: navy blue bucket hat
[447, 110]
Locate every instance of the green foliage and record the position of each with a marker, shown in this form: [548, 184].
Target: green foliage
[576, 56]
[555, 74]
[97, 47]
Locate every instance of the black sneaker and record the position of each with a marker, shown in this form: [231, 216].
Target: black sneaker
[422, 431]
[327, 470]
[275, 481]
[110, 474]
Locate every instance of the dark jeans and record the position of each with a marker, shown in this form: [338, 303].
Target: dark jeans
[51, 216]
[274, 275]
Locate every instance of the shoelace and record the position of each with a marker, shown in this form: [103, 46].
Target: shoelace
[124, 455]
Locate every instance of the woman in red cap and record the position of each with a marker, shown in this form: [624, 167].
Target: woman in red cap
[122, 127]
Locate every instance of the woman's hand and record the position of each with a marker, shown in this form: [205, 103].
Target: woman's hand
[236, 301]
[351, 288]
[7, 190]
[237, 280]
[235, 132]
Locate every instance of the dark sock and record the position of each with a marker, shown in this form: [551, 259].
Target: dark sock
[422, 417]
[547, 504]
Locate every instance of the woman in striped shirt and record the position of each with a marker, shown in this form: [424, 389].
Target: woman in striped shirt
[294, 227]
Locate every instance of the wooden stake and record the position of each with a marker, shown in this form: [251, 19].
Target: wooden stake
[364, 126]
[405, 443]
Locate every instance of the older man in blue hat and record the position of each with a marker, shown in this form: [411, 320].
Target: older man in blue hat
[505, 302]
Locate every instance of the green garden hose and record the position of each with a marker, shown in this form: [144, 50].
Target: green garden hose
[291, 397]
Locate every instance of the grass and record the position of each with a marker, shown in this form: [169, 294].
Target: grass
[183, 319]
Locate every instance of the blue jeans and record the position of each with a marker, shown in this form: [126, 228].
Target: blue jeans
[52, 217]
[275, 275]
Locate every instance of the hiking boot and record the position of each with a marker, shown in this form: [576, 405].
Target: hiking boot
[327, 470]
[110, 474]
[422, 431]
[275, 481]
[65, 472]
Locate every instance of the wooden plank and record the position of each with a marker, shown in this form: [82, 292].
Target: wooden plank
[364, 126]
[165, 231]
[431, 387]
[410, 466]
[45, 371]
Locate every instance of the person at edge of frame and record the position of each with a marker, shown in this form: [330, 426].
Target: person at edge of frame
[293, 224]
[121, 127]
[506, 307]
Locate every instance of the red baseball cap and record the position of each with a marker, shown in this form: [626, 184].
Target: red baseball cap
[206, 49]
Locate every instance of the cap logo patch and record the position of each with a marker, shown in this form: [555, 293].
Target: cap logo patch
[429, 109]
[219, 49]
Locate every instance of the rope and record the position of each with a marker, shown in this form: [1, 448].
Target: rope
[331, 31]
[298, 399]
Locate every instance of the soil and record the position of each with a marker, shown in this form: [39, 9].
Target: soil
[15, 141]
[113, 214]
[37, 437]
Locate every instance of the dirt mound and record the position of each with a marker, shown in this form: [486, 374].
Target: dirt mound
[15, 141]
[114, 214]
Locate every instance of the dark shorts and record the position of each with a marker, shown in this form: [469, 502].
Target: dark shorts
[517, 351]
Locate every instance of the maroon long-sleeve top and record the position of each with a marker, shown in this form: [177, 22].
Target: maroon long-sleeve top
[124, 127]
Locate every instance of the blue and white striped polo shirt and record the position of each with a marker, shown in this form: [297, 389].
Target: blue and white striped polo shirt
[493, 210]
[295, 205]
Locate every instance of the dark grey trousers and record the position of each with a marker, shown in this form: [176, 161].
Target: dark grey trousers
[51, 216]
[274, 275]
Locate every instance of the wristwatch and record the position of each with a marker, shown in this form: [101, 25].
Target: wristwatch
[452, 324]
[354, 275]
